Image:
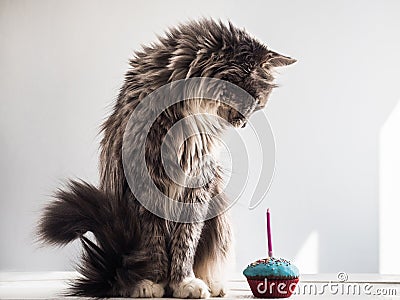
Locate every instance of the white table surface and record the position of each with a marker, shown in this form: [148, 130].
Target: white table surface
[49, 285]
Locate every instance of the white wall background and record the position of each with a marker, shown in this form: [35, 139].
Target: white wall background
[62, 63]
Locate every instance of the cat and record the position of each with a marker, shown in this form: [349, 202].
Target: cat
[135, 252]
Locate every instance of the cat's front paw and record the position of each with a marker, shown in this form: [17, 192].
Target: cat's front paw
[190, 287]
[217, 289]
[147, 289]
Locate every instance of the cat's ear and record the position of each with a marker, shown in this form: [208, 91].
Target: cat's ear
[275, 59]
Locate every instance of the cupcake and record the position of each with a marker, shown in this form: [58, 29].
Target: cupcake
[272, 278]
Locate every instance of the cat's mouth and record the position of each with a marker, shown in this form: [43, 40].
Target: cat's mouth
[238, 118]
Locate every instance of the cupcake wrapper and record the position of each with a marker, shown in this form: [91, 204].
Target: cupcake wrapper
[274, 288]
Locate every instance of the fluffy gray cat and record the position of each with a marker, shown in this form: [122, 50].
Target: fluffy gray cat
[135, 252]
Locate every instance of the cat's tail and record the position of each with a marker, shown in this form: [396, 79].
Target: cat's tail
[105, 271]
[75, 210]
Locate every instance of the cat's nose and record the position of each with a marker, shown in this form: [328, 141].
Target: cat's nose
[259, 107]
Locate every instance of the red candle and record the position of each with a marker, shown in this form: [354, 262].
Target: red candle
[269, 234]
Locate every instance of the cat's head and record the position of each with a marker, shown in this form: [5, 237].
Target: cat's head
[207, 48]
[254, 74]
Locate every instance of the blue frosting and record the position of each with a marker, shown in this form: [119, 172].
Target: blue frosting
[271, 267]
